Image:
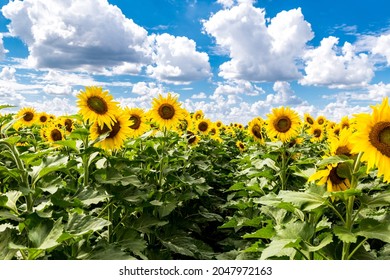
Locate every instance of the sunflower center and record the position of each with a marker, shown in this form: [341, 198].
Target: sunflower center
[380, 137]
[283, 124]
[97, 104]
[136, 121]
[256, 130]
[191, 137]
[334, 177]
[203, 126]
[343, 150]
[317, 133]
[320, 121]
[166, 111]
[310, 121]
[68, 125]
[56, 135]
[213, 131]
[42, 119]
[28, 116]
[113, 131]
[242, 146]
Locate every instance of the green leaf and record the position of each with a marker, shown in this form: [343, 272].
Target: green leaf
[9, 199]
[265, 232]
[322, 240]
[145, 222]
[82, 224]
[279, 248]
[333, 160]
[382, 199]
[49, 164]
[371, 228]
[90, 196]
[71, 144]
[166, 209]
[183, 245]
[344, 234]
[307, 201]
[6, 106]
[6, 253]
[44, 235]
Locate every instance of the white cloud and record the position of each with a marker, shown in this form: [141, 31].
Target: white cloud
[176, 60]
[56, 106]
[76, 34]
[259, 52]
[238, 87]
[326, 66]
[382, 47]
[57, 89]
[8, 73]
[200, 95]
[3, 51]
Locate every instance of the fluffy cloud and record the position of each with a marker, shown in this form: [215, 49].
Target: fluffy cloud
[259, 52]
[238, 87]
[8, 74]
[70, 34]
[3, 51]
[382, 47]
[176, 60]
[326, 66]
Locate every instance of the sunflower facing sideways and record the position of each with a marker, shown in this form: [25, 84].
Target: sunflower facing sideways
[317, 133]
[117, 134]
[283, 124]
[137, 117]
[97, 106]
[331, 176]
[166, 111]
[255, 129]
[372, 137]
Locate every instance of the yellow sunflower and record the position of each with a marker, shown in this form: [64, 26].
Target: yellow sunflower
[341, 145]
[214, 130]
[255, 129]
[198, 115]
[43, 118]
[317, 133]
[321, 120]
[192, 138]
[331, 177]
[185, 123]
[283, 124]
[67, 123]
[344, 123]
[28, 116]
[308, 119]
[166, 111]
[203, 126]
[373, 138]
[335, 131]
[53, 133]
[241, 146]
[97, 106]
[118, 133]
[219, 124]
[138, 120]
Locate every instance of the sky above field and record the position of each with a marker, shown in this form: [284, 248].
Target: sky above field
[233, 59]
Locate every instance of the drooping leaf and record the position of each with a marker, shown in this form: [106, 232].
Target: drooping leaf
[371, 228]
[81, 224]
[45, 234]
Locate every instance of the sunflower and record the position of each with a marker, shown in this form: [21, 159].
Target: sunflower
[344, 123]
[240, 146]
[192, 138]
[203, 126]
[97, 106]
[317, 133]
[66, 123]
[166, 111]
[28, 116]
[373, 138]
[138, 120]
[43, 118]
[255, 129]
[118, 133]
[185, 123]
[214, 130]
[335, 131]
[283, 124]
[321, 120]
[198, 115]
[308, 119]
[332, 177]
[219, 124]
[53, 133]
[341, 145]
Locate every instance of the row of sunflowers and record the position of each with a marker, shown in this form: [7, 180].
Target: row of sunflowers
[124, 183]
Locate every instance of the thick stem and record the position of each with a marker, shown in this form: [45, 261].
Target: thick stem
[162, 160]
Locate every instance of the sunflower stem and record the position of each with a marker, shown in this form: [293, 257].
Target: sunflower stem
[283, 169]
[162, 160]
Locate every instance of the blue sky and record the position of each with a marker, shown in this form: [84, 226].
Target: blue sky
[234, 59]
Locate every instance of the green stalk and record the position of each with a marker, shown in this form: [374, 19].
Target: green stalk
[162, 160]
[283, 169]
[110, 213]
[86, 164]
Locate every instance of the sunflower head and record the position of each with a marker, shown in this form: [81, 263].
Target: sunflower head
[241, 146]
[372, 138]
[28, 116]
[203, 126]
[283, 124]
[321, 120]
[137, 117]
[97, 106]
[53, 133]
[219, 124]
[43, 118]
[166, 111]
[255, 129]
[192, 138]
[317, 133]
[333, 176]
[344, 123]
[308, 119]
[198, 115]
[341, 145]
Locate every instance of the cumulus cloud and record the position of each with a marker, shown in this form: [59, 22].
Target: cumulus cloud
[8, 73]
[200, 95]
[3, 51]
[56, 106]
[327, 66]
[238, 87]
[259, 52]
[176, 60]
[382, 47]
[76, 34]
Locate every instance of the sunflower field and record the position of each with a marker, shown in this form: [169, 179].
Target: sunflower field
[124, 183]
